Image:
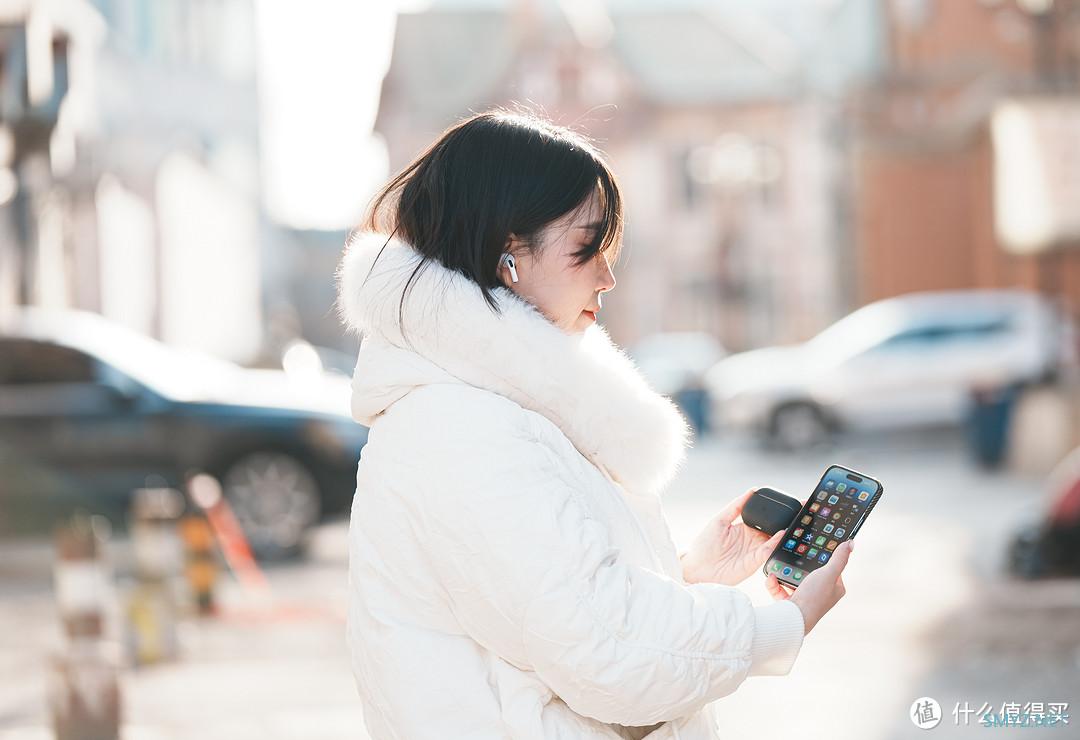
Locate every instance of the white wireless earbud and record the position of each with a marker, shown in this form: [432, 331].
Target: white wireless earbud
[508, 260]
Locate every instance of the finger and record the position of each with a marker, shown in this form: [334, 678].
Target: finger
[839, 559]
[728, 513]
[775, 589]
[766, 547]
[771, 587]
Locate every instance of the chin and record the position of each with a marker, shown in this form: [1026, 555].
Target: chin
[584, 329]
[577, 329]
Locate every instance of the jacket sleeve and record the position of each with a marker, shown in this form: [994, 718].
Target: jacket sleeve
[534, 578]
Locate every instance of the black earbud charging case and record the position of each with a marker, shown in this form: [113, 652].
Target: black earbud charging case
[770, 511]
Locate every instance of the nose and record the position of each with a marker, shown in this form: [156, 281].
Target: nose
[607, 277]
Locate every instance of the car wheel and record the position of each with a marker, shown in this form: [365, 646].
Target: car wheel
[798, 426]
[275, 499]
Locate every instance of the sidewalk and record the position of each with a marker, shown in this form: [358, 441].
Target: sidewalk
[282, 674]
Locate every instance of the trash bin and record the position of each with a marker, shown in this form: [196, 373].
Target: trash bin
[988, 423]
[694, 402]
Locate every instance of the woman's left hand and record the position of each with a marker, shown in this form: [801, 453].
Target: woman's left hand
[727, 551]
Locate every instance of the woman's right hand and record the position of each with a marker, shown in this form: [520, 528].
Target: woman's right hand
[819, 591]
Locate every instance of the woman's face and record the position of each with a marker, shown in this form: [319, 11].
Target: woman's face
[549, 279]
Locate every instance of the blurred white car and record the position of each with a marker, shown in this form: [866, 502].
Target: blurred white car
[907, 361]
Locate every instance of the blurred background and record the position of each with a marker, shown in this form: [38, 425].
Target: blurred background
[853, 237]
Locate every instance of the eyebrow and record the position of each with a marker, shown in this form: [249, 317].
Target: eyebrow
[593, 226]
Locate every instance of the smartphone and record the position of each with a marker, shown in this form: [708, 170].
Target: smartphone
[839, 505]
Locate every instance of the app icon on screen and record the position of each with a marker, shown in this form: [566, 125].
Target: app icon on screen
[840, 531]
[841, 487]
[864, 495]
[833, 499]
[821, 496]
[824, 511]
[832, 545]
[830, 483]
[798, 575]
[828, 528]
[819, 541]
[789, 545]
[798, 532]
[836, 516]
[801, 548]
[787, 570]
[815, 506]
[807, 519]
[812, 552]
[823, 557]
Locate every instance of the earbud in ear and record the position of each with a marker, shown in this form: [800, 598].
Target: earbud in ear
[508, 260]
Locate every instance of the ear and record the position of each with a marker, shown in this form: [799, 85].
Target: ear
[512, 246]
[502, 272]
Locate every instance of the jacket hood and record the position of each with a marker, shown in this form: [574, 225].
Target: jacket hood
[583, 383]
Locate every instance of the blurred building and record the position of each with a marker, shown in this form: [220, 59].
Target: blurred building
[188, 168]
[175, 158]
[47, 73]
[724, 121]
[133, 166]
[972, 132]
[783, 162]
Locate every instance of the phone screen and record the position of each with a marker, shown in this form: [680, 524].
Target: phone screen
[833, 513]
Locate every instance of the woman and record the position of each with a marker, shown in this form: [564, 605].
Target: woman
[511, 571]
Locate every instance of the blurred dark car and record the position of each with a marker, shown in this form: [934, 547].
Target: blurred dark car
[90, 411]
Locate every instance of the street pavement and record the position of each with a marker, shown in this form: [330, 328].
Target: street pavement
[928, 612]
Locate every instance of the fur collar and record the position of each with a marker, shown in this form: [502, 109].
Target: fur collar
[582, 382]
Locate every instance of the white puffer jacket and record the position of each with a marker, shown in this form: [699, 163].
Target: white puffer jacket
[511, 572]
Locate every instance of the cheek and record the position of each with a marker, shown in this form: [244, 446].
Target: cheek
[551, 301]
[576, 295]
[564, 311]
[563, 294]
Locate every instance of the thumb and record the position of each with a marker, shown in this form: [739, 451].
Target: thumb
[770, 544]
[839, 558]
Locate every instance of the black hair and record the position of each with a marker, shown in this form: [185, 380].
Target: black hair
[492, 176]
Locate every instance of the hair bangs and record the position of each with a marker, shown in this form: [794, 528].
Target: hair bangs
[608, 230]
